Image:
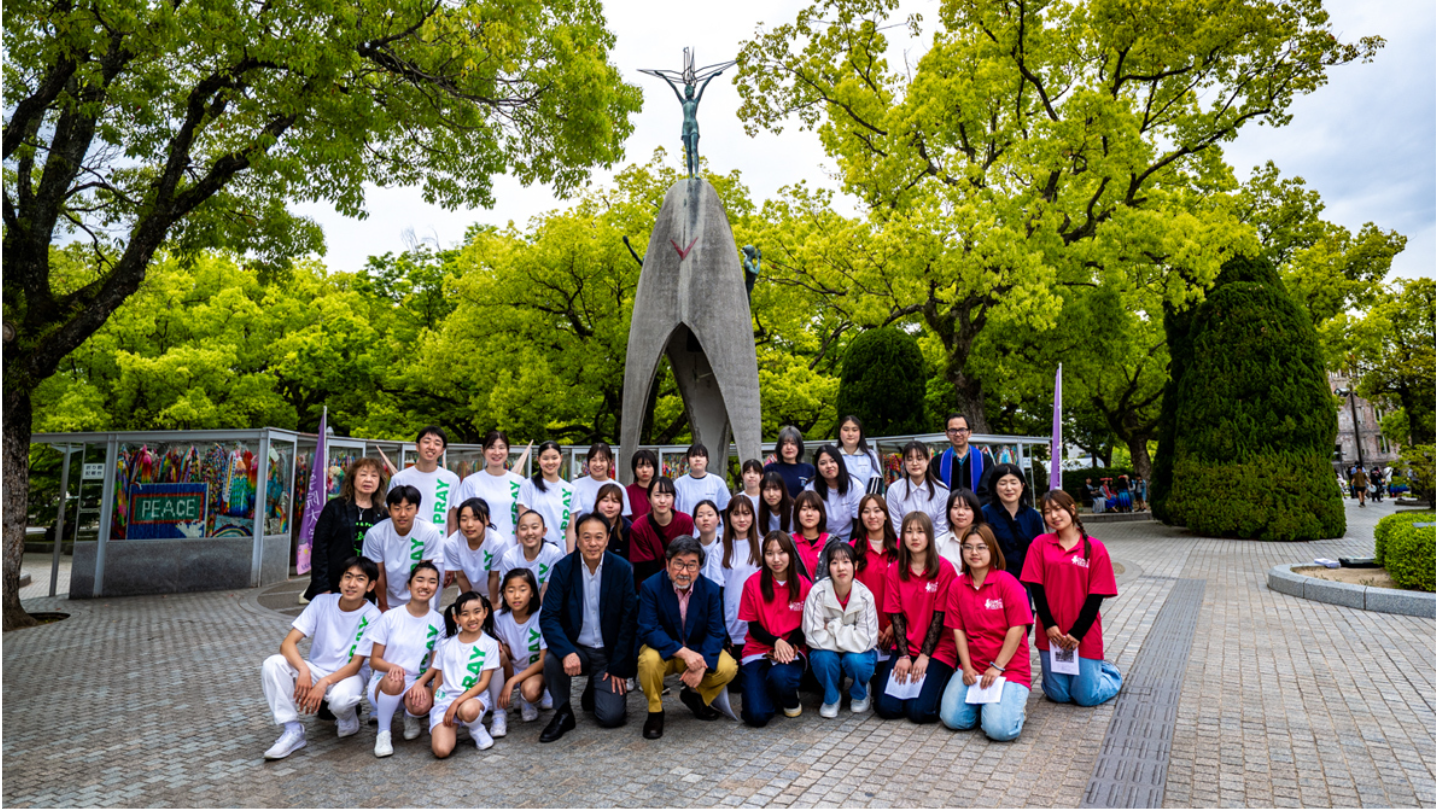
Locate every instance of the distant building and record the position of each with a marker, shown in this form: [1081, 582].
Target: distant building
[1359, 438]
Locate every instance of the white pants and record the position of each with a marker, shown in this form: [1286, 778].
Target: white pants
[278, 678]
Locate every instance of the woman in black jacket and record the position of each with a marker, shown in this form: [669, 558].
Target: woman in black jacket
[340, 529]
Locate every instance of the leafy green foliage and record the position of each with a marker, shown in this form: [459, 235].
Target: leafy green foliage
[1418, 464]
[883, 383]
[1253, 399]
[1407, 552]
[1392, 347]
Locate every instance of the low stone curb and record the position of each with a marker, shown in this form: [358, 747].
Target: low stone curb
[1283, 578]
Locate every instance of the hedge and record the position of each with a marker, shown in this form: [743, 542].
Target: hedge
[1266, 497]
[1407, 552]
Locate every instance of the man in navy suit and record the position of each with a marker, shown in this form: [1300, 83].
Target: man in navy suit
[682, 630]
[588, 620]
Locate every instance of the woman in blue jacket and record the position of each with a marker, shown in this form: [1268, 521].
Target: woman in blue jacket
[1011, 515]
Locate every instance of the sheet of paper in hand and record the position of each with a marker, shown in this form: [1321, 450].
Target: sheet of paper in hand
[1064, 662]
[904, 691]
[976, 695]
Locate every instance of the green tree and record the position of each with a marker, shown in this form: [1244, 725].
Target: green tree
[1034, 146]
[1255, 421]
[1393, 348]
[192, 124]
[883, 382]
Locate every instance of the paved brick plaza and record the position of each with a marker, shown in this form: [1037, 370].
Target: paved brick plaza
[155, 701]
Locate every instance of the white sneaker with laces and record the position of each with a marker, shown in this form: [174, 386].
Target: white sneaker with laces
[348, 724]
[546, 703]
[289, 743]
[382, 744]
[859, 706]
[528, 712]
[479, 735]
[497, 724]
[830, 709]
[412, 727]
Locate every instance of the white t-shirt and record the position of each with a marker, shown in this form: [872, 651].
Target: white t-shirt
[711, 569]
[690, 491]
[862, 466]
[397, 555]
[437, 492]
[541, 566]
[335, 635]
[587, 488]
[524, 640]
[556, 504]
[460, 664]
[754, 502]
[741, 569]
[500, 492]
[840, 510]
[903, 497]
[478, 563]
[409, 641]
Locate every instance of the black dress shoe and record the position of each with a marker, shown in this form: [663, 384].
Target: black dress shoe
[655, 726]
[696, 705]
[563, 721]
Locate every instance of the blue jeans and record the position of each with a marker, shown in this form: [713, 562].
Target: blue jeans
[922, 709]
[1000, 721]
[1097, 682]
[831, 668]
[764, 683]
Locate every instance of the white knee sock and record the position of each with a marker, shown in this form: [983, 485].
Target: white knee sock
[387, 705]
[497, 683]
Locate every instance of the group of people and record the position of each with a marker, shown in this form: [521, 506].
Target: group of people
[1362, 483]
[1116, 494]
[916, 599]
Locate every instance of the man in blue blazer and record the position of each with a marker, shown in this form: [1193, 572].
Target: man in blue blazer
[682, 631]
[588, 620]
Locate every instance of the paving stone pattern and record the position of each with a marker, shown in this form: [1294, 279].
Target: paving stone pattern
[156, 701]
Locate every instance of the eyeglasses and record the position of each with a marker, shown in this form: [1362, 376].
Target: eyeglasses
[956, 431]
[685, 566]
[973, 548]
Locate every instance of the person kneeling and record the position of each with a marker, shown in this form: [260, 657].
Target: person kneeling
[841, 626]
[335, 624]
[682, 630]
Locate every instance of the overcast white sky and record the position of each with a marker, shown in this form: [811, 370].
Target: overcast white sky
[1366, 141]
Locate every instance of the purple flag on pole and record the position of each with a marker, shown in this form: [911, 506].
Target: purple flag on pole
[314, 501]
[1056, 446]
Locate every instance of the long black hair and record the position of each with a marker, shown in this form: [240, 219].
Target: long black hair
[529, 576]
[784, 511]
[792, 571]
[863, 446]
[916, 446]
[728, 538]
[538, 479]
[842, 475]
[861, 535]
[487, 626]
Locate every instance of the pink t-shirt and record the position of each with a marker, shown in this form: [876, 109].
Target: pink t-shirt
[810, 554]
[985, 615]
[780, 616]
[1068, 578]
[919, 598]
[873, 578]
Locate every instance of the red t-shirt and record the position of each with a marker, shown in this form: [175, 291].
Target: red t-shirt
[985, 615]
[780, 616]
[810, 554]
[646, 545]
[918, 599]
[1068, 578]
[873, 578]
[639, 501]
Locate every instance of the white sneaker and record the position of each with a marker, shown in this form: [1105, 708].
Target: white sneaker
[629, 686]
[546, 703]
[382, 744]
[497, 724]
[348, 724]
[528, 712]
[412, 727]
[859, 706]
[289, 743]
[479, 735]
[830, 709]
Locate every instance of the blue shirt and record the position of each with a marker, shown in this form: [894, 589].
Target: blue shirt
[795, 475]
[1012, 544]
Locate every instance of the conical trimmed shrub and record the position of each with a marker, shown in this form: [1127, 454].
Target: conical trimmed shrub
[882, 381]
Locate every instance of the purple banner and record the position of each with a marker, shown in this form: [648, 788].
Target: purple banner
[314, 501]
[1057, 447]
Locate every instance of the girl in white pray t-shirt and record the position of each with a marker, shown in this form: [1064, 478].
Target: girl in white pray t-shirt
[707, 527]
[403, 643]
[496, 483]
[597, 463]
[462, 672]
[552, 496]
[474, 552]
[532, 552]
[517, 626]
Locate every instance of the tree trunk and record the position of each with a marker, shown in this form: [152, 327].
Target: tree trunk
[1140, 456]
[16, 476]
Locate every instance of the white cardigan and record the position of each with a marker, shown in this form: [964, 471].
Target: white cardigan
[851, 629]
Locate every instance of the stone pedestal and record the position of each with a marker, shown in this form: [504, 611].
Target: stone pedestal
[691, 305]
